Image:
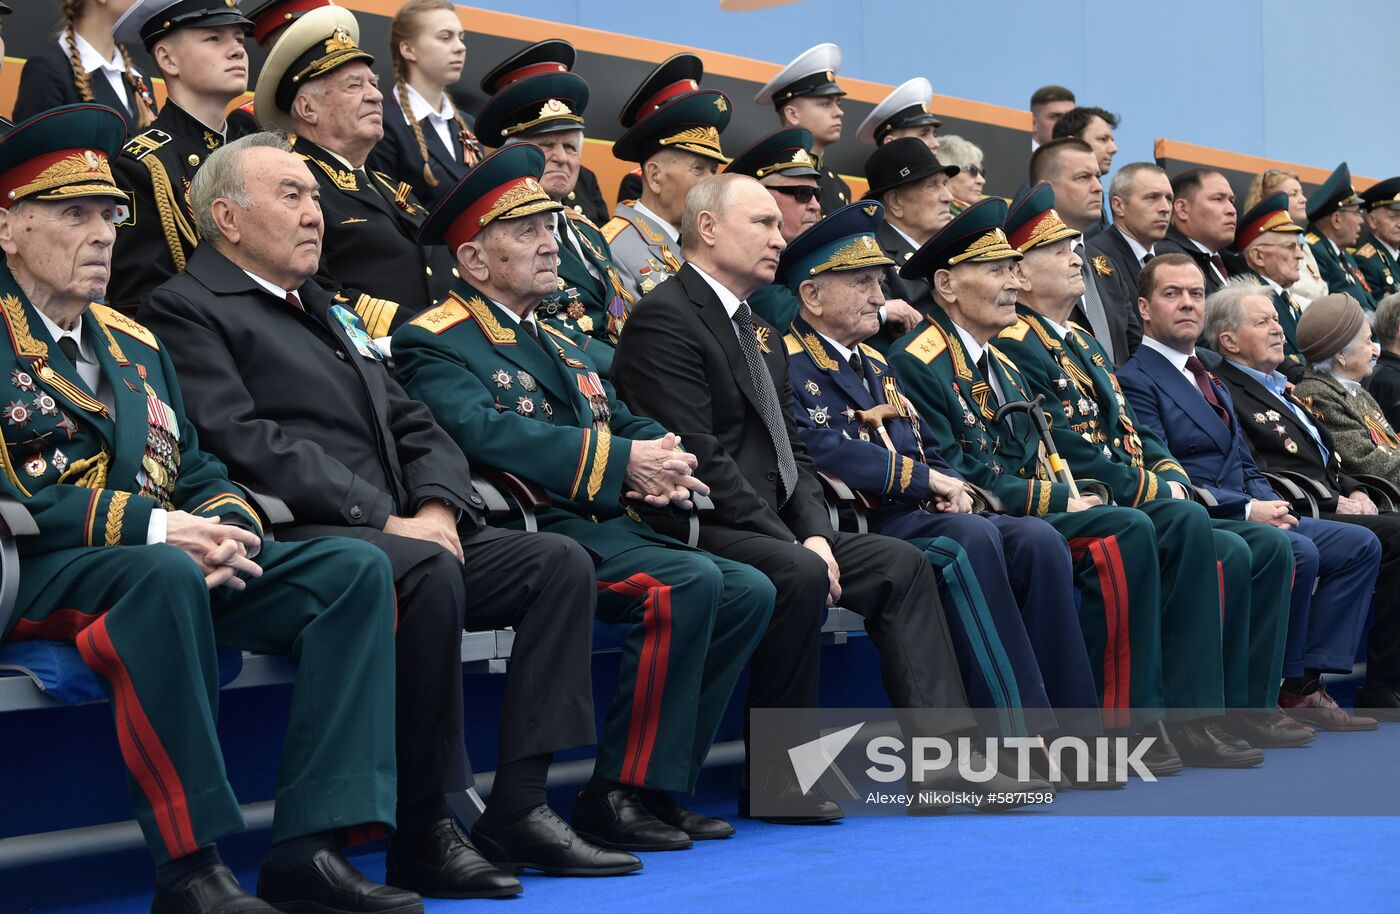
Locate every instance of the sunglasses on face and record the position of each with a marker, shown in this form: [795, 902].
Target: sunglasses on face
[976, 171]
[799, 192]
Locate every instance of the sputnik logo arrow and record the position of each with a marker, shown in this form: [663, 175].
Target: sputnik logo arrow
[811, 759]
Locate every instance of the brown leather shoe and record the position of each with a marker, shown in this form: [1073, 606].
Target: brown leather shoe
[1319, 710]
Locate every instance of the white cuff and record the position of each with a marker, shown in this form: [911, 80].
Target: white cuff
[155, 528]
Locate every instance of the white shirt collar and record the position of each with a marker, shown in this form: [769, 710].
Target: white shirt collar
[1333, 245]
[974, 348]
[1135, 246]
[516, 317]
[90, 59]
[346, 162]
[1200, 247]
[76, 333]
[726, 298]
[671, 231]
[845, 353]
[1394, 254]
[1271, 284]
[420, 108]
[1178, 359]
[905, 235]
[270, 287]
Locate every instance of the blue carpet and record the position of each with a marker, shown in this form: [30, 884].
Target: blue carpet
[1076, 855]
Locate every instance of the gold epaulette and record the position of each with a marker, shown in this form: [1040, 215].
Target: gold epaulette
[377, 314]
[928, 345]
[448, 314]
[145, 143]
[614, 228]
[1367, 250]
[115, 320]
[872, 353]
[1311, 238]
[577, 216]
[793, 344]
[1016, 331]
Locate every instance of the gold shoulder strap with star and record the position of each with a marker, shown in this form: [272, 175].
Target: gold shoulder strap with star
[115, 320]
[450, 313]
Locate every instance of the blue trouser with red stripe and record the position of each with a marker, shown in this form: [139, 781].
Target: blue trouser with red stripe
[693, 620]
[146, 624]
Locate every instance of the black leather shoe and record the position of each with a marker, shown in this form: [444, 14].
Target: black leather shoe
[1009, 791]
[1268, 729]
[1161, 758]
[812, 808]
[1379, 700]
[698, 827]
[330, 884]
[617, 819]
[1070, 774]
[1202, 744]
[543, 841]
[212, 890]
[441, 863]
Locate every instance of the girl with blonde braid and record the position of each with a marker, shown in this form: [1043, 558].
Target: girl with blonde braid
[427, 142]
[86, 64]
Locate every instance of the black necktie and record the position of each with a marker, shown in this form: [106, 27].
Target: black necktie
[1146, 257]
[533, 330]
[984, 365]
[69, 347]
[1219, 263]
[858, 366]
[768, 407]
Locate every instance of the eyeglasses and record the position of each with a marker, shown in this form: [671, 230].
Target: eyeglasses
[802, 193]
[977, 171]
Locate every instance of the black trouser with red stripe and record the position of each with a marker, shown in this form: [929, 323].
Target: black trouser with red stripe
[145, 623]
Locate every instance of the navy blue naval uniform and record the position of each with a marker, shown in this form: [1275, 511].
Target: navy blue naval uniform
[1026, 629]
[1323, 624]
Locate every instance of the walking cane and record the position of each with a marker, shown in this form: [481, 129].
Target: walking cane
[1032, 408]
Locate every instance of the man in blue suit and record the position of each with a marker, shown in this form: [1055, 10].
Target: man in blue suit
[1007, 582]
[1178, 399]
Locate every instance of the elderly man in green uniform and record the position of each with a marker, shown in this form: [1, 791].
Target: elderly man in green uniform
[197, 46]
[515, 393]
[547, 109]
[674, 134]
[1270, 245]
[145, 559]
[1334, 228]
[317, 86]
[1100, 439]
[1379, 252]
[805, 94]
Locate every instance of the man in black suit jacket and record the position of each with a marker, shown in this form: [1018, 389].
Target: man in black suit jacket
[1203, 223]
[1283, 436]
[1141, 200]
[286, 387]
[694, 358]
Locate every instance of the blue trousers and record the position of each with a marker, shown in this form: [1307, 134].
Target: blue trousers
[1324, 625]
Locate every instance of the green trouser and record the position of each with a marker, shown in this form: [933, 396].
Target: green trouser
[1256, 575]
[146, 624]
[1117, 575]
[693, 620]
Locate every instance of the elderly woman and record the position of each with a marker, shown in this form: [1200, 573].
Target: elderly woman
[1309, 285]
[1384, 383]
[1336, 343]
[967, 184]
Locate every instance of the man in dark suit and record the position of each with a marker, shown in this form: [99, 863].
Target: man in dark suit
[694, 359]
[1245, 331]
[1203, 222]
[1141, 200]
[317, 84]
[1071, 167]
[288, 388]
[1174, 396]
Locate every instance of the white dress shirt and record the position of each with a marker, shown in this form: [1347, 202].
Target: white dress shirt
[975, 350]
[1136, 247]
[443, 119]
[1177, 358]
[728, 299]
[114, 70]
[1205, 250]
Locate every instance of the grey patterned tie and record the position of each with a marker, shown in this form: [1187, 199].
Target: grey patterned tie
[1093, 305]
[768, 407]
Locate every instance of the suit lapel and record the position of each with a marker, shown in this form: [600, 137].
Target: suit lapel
[718, 323]
[1187, 395]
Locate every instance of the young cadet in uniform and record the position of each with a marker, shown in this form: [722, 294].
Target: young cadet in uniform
[1099, 439]
[198, 49]
[1270, 247]
[547, 109]
[674, 133]
[512, 392]
[147, 557]
[1379, 253]
[1007, 582]
[805, 94]
[949, 371]
[1334, 227]
[904, 112]
[317, 84]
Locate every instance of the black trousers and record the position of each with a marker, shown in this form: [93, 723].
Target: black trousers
[1383, 644]
[540, 584]
[889, 582]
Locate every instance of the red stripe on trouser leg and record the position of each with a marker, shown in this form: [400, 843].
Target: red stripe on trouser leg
[59, 625]
[650, 689]
[368, 833]
[1117, 655]
[1220, 576]
[141, 748]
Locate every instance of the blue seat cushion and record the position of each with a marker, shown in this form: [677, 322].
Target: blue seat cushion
[58, 669]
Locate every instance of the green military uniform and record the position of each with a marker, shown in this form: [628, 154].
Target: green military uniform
[1376, 260]
[1337, 265]
[592, 302]
[92, 465]
[1270, 217]
[514, 395]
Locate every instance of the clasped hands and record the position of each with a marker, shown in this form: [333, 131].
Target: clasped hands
[220, 550]
[659, 473]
